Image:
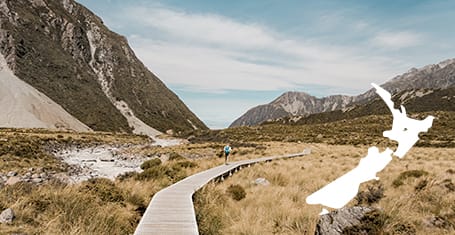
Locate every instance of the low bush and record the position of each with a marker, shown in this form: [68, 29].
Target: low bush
[372, 223]
[174, 173]
[175, 157]
[407, 174]
[150, 163]
[236, 191]
[127, 175]
[372, 195]
[421, 185]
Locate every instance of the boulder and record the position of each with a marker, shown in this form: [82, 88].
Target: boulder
[63, 178]
[261, 181]
[7, 216]
[36, 175]
[335, 222]
[170, 132]
[13, 180]
[37, 180]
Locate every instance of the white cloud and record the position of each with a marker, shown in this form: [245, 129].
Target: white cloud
[209, 52]
[396, 40]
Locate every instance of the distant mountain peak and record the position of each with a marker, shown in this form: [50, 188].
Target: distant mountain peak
[415, 81]
[292, 103]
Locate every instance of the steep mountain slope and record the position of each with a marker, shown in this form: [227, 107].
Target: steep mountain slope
[66, 52]
[24, 106]
[292, 104]
[433, 77]
[415, 101]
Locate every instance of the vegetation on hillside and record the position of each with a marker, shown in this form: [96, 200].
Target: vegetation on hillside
[365, 130]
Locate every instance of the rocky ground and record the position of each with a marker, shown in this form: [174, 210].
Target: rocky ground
[100, 161]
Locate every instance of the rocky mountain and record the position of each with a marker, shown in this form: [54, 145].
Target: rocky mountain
[66, 52]
[433, 76]
[298, 104]
[415, 101]
[292, 104]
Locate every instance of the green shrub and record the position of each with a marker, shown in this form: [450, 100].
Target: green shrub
[150, 163]
[236, 192]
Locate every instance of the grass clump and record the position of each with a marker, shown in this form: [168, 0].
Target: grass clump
[236, 192]
[150, 163]
[408, 174]
[186, 164]
[104, 189]
[372, 223]
[171, 172]
[75, 209]
[209, 216]
[372, 195]
[176, 157]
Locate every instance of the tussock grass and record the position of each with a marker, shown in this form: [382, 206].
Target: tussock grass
[280, 208]
[115, 207]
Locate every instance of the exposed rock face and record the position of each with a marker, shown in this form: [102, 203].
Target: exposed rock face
[66, 52]
[419, 100]
[335, 222]
[292, 104]
[434, 76]
[419, 82]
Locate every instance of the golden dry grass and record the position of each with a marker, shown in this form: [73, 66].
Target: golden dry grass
[280, 208]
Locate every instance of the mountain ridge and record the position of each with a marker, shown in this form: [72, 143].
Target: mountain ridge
[434, 76]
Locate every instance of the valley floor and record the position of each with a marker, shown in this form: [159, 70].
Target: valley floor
[410, 202]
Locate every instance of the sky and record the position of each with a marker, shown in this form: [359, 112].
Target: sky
[224, 57]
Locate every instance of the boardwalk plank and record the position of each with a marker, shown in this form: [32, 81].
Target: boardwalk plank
[171, 210]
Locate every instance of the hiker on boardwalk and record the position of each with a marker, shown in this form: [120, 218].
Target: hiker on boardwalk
[227, 151]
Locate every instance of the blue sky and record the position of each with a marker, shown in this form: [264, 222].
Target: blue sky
[224, 57]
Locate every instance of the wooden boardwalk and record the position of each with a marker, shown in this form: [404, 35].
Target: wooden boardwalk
[171, 210]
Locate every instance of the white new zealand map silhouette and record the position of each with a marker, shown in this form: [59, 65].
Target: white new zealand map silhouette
[404, 130]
